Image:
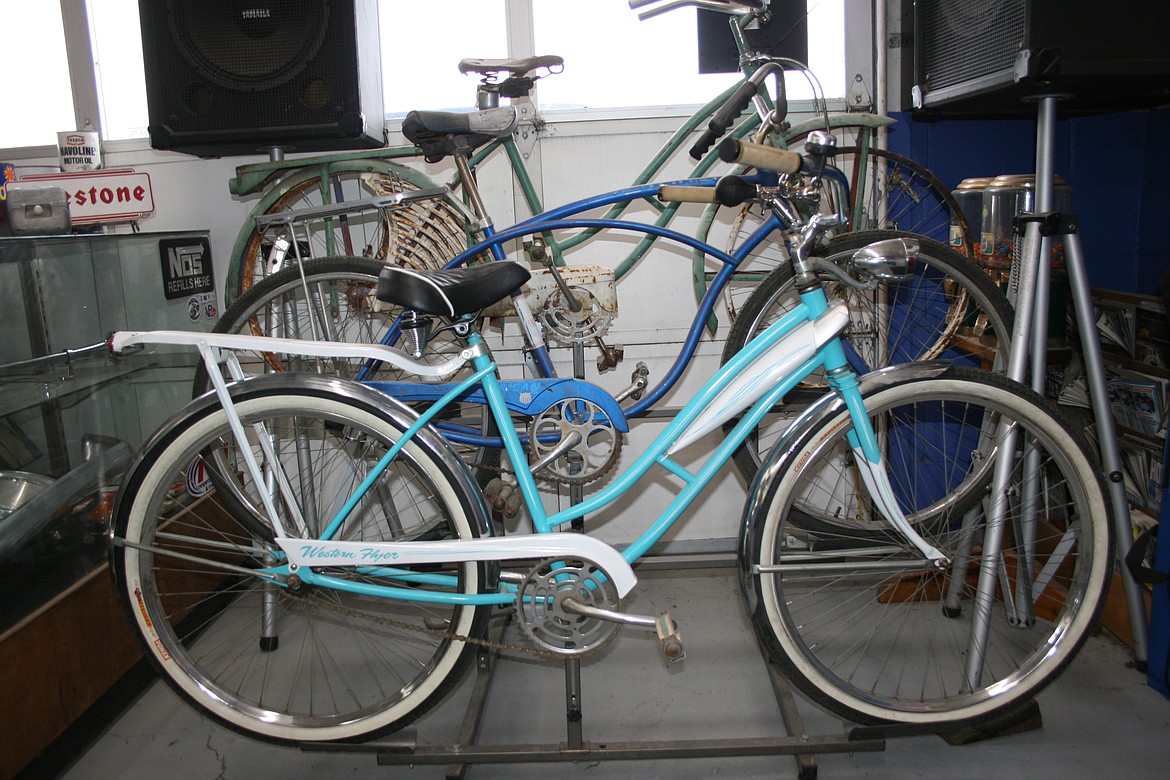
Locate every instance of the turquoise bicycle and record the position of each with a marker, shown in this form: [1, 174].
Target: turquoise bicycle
[305, 558]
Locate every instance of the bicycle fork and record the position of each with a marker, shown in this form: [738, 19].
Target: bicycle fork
[871, 465]
[994, 574]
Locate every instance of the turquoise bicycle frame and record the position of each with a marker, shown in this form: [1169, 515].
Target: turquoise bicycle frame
[754, 359]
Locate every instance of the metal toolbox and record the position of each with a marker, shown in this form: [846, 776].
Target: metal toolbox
[37, 210]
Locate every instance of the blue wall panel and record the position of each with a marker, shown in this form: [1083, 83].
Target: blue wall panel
[1117, 164]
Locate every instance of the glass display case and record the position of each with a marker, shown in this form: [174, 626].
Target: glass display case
[71, 417]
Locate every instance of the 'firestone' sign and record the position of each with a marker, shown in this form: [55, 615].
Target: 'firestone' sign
[117, 195]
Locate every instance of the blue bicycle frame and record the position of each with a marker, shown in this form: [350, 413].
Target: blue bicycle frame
[559, 219]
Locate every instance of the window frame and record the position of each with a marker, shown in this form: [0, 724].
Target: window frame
[859, 56]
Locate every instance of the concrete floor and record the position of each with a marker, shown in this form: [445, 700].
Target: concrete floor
[1100, 719]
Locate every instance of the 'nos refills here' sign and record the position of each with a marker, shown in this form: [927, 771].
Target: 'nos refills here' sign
[116, 195]
[187, 270]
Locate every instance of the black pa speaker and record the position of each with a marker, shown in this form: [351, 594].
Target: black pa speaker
[226, 77]
[988, 57]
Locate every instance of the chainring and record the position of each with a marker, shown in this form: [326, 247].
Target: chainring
[591, 457]
[567, 326]
[541, 613]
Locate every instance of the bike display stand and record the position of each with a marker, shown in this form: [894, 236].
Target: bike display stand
[459, 755]
[1030, 287]
[404, 749]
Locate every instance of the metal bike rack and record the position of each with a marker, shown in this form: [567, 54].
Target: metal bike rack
[464, 751]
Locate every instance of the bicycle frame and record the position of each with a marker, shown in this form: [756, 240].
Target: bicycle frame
[563, 218]
[805, 340]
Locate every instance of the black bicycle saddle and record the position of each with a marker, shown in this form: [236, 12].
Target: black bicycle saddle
[450, 292]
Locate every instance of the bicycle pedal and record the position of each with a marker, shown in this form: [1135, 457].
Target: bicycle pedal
[668, 635]
[502, 497]
[610, 357]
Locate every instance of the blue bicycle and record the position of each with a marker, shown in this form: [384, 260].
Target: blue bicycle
[946, 308]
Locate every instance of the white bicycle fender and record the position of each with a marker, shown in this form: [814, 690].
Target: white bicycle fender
[767, 371]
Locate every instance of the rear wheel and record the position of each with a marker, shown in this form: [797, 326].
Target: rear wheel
[332, 299]
[282, 663]
[326, 299]
[424, 234]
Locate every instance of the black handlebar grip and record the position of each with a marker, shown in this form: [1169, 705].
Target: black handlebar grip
[706, 140]
[733, 191]
[729, 150]
[723, 118]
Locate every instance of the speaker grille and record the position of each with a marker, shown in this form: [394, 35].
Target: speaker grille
[248, 44]
[967, 39]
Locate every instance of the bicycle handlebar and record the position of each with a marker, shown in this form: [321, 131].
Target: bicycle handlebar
[737, 104]
[719, 6]
[723, 118]
[681, 193]
[734, 190]
[769, 158]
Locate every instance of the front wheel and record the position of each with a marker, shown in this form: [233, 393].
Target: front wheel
[277, 662]
[893, 192]
[862, 625]
[887, 192]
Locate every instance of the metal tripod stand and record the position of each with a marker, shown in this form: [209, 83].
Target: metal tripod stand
[1029, 291]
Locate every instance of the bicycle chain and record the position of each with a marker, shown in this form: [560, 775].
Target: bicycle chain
[500, 647]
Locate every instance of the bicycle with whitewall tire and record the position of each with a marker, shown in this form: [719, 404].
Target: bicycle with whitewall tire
[305, 558]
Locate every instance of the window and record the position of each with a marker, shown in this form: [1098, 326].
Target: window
[614, 60]
[38, 101]
[422, 44]
[117, 53]
[42, 95]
